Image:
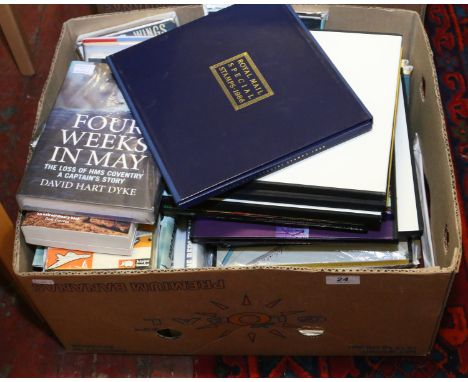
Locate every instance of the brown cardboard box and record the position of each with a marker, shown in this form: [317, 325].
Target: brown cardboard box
[420, 8]
[105, 8]
[264, 310]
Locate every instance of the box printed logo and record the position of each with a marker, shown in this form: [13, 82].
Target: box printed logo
[260, 319]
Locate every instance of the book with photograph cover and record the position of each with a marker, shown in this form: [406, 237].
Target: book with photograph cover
[78, 232]
[91, 158]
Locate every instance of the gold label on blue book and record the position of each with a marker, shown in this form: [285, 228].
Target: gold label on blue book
[241, 81]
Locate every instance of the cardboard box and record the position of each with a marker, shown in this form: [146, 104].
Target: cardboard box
[105, 8]
[264, 310]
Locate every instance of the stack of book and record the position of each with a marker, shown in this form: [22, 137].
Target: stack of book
[273, 145]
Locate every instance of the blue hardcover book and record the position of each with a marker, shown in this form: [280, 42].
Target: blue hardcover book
[234, 95]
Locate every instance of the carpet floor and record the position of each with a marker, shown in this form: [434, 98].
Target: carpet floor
[27, 349]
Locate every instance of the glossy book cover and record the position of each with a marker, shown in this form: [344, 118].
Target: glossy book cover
[91, 158]
[234, 95]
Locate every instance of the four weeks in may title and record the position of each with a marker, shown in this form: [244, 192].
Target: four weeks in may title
[91, 152]
[96, 153]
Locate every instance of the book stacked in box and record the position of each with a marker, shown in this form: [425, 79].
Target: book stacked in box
[244, 137]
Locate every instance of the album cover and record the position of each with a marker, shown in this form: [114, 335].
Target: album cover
[244, 91]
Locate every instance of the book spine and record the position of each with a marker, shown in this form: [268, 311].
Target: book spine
[144, 131]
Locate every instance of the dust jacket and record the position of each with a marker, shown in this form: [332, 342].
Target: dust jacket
[91, 158]
[234, 95]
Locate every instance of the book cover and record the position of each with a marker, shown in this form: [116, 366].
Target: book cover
[356, 171]
[60, 259]
[91, 158]
[234, 95]
[78, 232]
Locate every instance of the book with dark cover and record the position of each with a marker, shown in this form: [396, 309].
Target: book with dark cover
[91, 158]
[277, 213]
[235, 95]
[205, 230]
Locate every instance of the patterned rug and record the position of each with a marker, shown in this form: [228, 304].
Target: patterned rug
[447, 27]
[28, 350]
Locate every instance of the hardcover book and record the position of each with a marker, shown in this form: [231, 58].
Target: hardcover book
[91, 158]
[205, 230]
[356, 172]
[78, 232]
[234, 95]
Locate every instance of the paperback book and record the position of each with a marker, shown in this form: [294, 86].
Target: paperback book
[59, 259]
[78, 232]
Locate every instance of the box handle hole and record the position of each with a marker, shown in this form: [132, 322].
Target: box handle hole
[311, 332]
[422, 89]
[168, 334]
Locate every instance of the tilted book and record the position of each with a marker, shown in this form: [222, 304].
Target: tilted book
[235, 95]
[91, 158]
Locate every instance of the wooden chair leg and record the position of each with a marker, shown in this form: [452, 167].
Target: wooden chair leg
[15, 39]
